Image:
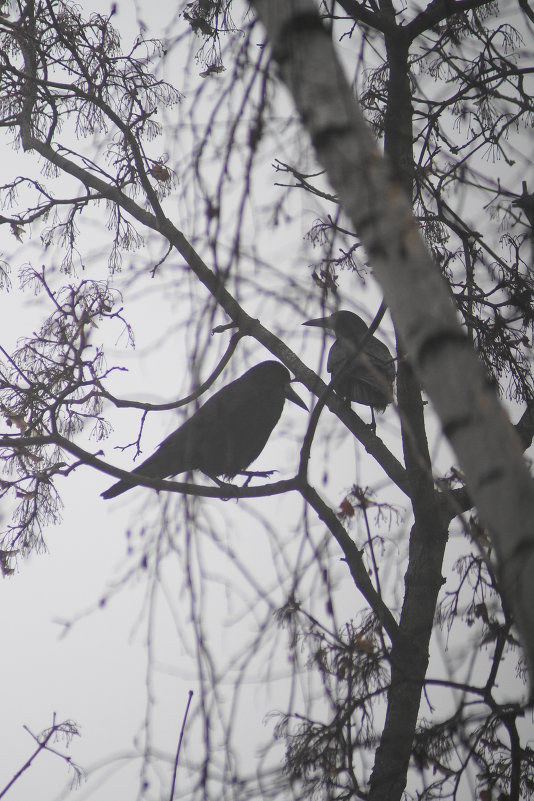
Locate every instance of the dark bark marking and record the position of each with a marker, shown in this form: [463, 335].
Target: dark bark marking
[438, 340]
[453, 426]
[304, 23]
[321, 139]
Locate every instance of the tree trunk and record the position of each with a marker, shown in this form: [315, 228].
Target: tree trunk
[486, 445]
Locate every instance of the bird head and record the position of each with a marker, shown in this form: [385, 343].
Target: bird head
[344, 324]
[273, 373]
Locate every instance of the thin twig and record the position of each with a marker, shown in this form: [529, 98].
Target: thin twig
[180, 745]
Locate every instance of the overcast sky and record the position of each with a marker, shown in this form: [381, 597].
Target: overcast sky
[68, 653]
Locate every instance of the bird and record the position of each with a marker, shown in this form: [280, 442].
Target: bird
[359, 374]
[227, 433]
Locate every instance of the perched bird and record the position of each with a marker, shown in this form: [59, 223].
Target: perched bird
[360, 374]
[227, 433]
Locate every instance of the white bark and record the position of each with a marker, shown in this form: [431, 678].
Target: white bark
[486, 445]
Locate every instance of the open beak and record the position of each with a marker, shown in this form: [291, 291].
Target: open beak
[292, 396]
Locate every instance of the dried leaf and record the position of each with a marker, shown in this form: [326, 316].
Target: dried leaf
[213, 69]
[346, 509]
[364, 645]
[18, 421]
[160, 172]
[17, 230]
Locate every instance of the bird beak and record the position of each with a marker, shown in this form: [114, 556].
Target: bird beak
[292, 396]
[320, 322]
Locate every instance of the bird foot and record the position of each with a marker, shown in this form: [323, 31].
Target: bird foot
[256, 474]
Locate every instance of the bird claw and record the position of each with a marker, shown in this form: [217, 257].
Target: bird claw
[256, 474]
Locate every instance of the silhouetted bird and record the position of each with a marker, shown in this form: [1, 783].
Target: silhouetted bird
[363, 375]
[227, 433]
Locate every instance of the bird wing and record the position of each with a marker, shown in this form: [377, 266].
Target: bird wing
[367, 376]
[379, 355]
[375, 354]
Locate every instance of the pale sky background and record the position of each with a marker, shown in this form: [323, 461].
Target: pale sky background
[96, 672]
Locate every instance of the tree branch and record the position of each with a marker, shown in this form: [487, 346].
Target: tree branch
[354, 560]
[358, 12]
[436, 12]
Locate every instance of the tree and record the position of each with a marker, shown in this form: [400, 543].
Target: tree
[446, 87]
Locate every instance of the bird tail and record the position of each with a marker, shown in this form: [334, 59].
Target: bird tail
[154, 467]
[117, 489]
